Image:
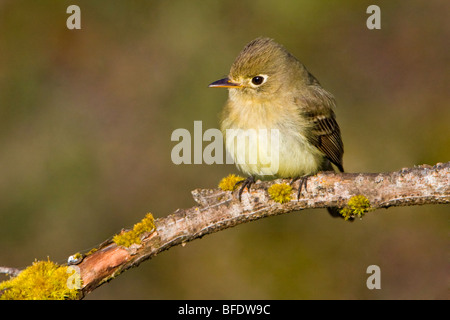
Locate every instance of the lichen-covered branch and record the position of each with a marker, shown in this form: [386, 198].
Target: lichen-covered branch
[217, 210]
[10, 271]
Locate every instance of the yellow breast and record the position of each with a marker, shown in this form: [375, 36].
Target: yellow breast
[268, 140]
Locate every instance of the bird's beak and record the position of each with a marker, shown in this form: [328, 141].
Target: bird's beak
[225, 83]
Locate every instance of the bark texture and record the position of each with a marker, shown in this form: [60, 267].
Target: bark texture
[218, 210]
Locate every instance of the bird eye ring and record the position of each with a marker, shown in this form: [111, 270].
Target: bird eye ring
[258, 80]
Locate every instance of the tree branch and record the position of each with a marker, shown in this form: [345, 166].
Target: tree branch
[218, 210]
[10, 271]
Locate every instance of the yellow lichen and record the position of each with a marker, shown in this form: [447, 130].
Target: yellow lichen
[229, 183]
[357, 206]
[128, 238]
[280, 192]
[43, 280]
[77, 256]
[91, 251]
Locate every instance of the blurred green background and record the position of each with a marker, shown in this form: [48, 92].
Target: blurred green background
[86, 118]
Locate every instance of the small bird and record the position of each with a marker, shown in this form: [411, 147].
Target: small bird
[270, 89]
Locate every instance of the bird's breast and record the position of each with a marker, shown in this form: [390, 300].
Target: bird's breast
[269, 140]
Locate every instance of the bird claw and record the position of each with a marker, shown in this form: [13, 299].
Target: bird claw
[302, 183]
[246, 183]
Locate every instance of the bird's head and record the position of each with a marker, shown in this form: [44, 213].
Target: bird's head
[260, 70]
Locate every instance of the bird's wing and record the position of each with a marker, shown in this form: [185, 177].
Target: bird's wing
[325, 132]
[328, 139]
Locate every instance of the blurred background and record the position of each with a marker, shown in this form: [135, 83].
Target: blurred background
[86, 118]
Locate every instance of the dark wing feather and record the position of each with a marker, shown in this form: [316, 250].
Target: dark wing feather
[317, 105]
[328, 139]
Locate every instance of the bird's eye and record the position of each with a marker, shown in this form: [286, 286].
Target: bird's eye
[257, 80]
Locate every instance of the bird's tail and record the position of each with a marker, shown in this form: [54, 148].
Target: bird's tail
[333, 211]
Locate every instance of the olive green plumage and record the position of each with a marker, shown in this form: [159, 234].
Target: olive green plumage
[270, 89]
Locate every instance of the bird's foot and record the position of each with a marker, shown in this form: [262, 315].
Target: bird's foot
[302, 184]
[246, 183]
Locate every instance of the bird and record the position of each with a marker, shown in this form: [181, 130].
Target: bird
[269, 89]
